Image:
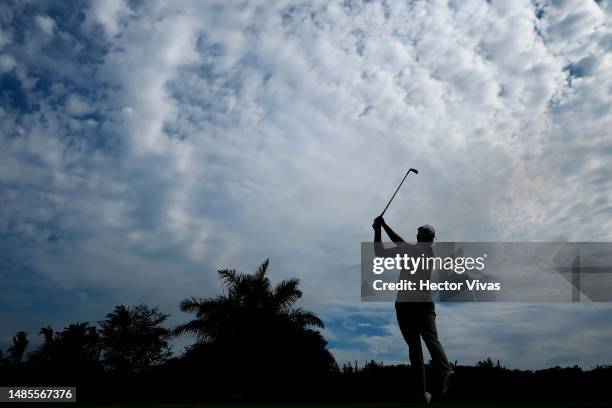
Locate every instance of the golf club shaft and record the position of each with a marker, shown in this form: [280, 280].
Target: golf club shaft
[398, 187]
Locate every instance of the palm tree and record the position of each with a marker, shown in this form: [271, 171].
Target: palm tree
[254, 333]
[248, 297]
[17, 348]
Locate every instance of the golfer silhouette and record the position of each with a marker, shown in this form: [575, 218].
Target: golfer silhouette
[415, 310]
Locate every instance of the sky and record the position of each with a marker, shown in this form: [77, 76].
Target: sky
[145, 145]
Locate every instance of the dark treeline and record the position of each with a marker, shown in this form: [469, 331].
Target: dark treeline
[252, 343]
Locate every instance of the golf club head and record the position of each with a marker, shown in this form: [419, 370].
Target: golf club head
[414, 170]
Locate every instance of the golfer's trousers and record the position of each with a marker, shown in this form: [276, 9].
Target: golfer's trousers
[416, 320]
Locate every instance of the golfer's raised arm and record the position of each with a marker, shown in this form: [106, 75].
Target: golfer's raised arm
[393, 236]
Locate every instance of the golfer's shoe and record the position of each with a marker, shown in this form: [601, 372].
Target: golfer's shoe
[446, 381]
[427, 398]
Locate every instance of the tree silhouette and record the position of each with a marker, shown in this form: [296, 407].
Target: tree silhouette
[255, 333]
[487, 363]
[74, 350]
[255, 344]
[133, 339]
[248, 297]
[17, 348]
[47, 351]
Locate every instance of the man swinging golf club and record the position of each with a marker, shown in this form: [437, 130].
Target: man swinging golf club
[415, 310]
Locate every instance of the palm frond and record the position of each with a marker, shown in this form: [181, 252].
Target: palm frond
[191, 304]
[196, 328]
[229, 277]
[263, 268]
[304, 318]
[287, 293]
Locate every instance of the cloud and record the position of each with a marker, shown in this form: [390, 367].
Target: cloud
[108, 15]
[46, 23]
[144, 147]
[4, 38]
[77, 106]
[7, 63]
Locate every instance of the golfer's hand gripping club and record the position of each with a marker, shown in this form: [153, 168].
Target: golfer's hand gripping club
[378, 222]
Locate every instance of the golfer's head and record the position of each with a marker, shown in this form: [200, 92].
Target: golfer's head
[426, 233]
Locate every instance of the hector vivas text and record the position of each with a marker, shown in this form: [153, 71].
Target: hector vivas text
[412, 264]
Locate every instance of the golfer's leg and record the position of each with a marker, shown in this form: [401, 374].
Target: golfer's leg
[430, 337]
[416, 361]
[406, 321]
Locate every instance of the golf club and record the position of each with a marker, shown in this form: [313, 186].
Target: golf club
[398, 187]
